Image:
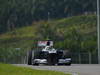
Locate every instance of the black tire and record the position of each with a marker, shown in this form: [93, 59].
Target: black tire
[34, 56]
[36, 64]
[30, 58]
[67, 54]
[60, 64]
[68, 64]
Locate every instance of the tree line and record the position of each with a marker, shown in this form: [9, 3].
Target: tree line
[18, 13]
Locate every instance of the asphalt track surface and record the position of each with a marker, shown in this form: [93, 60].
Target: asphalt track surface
[75, 69]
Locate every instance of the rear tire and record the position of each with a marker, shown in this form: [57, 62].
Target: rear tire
[30, 58]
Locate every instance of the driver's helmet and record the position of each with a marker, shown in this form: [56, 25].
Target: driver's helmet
[48, 48]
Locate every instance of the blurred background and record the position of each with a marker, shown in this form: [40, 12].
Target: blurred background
[71, 24]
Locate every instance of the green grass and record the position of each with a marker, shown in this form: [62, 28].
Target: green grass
[6, 69]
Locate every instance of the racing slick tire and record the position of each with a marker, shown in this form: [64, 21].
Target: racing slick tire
[30, 57]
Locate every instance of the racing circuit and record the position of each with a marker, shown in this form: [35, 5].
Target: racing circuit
[74, 69]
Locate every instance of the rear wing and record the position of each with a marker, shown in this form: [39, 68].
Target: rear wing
[45, 43]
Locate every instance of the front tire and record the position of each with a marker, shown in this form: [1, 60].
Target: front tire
[36, 64]
[68, 64]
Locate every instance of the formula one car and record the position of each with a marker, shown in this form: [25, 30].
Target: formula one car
[49, 56]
